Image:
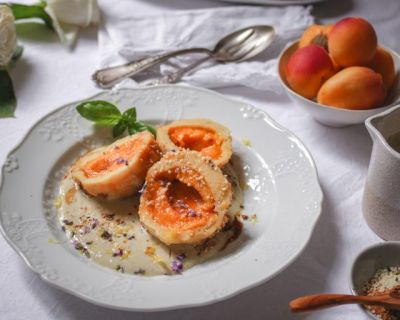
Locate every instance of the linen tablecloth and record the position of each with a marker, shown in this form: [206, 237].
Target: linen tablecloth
[49, 76]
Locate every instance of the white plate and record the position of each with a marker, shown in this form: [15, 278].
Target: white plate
[274, 2]
[284, 193]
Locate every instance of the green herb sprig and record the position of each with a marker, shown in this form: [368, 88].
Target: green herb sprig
[8, 100]
[105, 113]
[23, 11]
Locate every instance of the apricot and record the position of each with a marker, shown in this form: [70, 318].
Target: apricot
[353, 88]
[383, 63]
[315, 34]
[307, 69]
[352, 42]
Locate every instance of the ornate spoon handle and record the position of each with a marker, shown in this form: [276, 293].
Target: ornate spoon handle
[108, 77]
[176, 76]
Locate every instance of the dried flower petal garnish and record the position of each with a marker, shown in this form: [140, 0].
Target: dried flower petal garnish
[118, 252]
[142, 189]
[177, 266]
[181, 257]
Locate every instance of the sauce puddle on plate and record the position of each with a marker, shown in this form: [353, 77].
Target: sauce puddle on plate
[110, 233]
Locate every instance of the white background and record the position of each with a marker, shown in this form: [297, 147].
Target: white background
[49, 76]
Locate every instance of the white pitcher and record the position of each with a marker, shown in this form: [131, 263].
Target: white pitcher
[381, 200]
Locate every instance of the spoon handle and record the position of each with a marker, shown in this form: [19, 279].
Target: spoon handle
[319, 301]
[176, 76]
[108, 77]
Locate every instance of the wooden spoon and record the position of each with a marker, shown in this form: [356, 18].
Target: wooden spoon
[389, 300]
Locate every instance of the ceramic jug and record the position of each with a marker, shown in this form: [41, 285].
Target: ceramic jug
[381, 199]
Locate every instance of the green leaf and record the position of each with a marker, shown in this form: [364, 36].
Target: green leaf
[8, 102]
[17, 53]
[141, 126]
[42, 3]
[106, 113]
[119, 128]
[132, 129]
[100, 112]
[22, 11]
[130, 115]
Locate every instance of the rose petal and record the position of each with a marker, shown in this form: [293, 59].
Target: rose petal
[8, 38]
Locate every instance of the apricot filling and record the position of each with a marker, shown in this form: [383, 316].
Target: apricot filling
[203, 140]
[112, 159]
[177, 201]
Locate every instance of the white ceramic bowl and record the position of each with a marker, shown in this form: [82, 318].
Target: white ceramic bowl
[370, 260]
[328, 115]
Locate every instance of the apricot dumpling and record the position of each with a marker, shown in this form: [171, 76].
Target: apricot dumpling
[208, 137]
[186, 198]
[118, 170]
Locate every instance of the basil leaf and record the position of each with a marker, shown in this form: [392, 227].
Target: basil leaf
[130, 114]
[8, 101]
[141, 126]
[22, 11]
[119, 128]
[132, 129]
[100, 112]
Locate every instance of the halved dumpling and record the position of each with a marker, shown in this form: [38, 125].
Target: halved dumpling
[118, 170]
[203, 135]
[186, 198]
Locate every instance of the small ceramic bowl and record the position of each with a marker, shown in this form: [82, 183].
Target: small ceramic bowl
[370, 260]
[328, 115]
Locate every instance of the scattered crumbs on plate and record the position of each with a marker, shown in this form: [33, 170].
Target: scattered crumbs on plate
[126, 254]
[245, 217]
[139, 271]
[53, 241]
[106, 235]
[119, 268]
[150, 251]
[246, 142]
[114, 237]
[117, 252]
[243, 185]
[58, 202]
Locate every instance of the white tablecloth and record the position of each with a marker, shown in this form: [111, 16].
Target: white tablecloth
[49, 76]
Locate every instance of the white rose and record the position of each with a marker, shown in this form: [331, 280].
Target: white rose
[69, 15]
[8, 36]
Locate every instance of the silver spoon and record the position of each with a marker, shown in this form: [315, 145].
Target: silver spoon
[237, 46]
[260, 37]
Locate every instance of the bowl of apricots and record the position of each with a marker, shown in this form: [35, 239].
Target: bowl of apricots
[339, 73]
